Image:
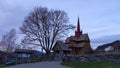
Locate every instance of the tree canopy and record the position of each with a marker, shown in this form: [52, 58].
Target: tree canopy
[44, 27]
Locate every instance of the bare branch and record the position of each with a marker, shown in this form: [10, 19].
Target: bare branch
[45, 26]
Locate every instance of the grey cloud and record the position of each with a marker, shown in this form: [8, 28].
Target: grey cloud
[96, 19]
[12, 13]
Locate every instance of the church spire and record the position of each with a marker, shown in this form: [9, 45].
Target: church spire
[78, 25]
[78, 32]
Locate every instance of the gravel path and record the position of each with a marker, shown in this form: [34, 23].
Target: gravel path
[50, 64]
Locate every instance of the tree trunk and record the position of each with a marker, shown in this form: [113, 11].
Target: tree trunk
[6, 57]
[48, 53]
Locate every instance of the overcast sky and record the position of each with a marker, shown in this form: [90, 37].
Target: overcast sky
[99, 18]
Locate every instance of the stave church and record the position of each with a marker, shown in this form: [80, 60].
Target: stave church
[77, 44]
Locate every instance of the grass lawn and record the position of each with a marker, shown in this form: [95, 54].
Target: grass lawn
[92, 64]
[2, 65]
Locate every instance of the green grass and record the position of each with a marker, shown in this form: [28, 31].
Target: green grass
[92, 64]
[2, 65]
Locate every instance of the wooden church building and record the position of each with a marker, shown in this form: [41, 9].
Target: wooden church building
[77, 44]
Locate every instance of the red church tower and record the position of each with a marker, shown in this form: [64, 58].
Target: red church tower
[78, 32]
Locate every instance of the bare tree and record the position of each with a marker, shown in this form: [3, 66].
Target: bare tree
[43, 27]
[8, 42]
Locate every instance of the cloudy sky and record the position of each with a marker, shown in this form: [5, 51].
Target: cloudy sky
[99, 18]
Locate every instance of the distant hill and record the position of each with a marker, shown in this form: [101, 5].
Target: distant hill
[37, 53]
[114, 46]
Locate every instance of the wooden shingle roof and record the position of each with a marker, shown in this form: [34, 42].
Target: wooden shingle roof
[83, 37]
[62, 45]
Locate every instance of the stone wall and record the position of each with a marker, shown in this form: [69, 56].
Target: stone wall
[92, 57]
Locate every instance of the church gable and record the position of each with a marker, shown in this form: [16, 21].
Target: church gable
[57, 47]
[61, 46]
[87, 38]
[83, 37]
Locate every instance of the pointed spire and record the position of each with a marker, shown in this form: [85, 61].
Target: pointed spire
[78, 25]
[78, 32]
